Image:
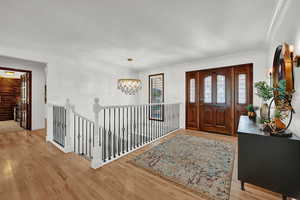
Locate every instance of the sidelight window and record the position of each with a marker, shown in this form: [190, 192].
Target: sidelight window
[242, 89]
[192, 91]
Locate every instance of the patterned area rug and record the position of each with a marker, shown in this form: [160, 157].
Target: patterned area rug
[202, 165]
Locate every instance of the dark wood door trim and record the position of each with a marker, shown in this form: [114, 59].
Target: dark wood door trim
[233, 114]
[221, 67]
[30, 91]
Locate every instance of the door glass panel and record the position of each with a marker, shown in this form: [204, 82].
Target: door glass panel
[192, 91]
[242, 89]
[208, 89]
[221, 92]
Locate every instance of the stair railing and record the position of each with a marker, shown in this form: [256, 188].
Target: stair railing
[114, 132]
[59, 125]
[126, 128]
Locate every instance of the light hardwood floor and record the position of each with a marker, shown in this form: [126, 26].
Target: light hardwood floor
[31, 169]
[10, 126]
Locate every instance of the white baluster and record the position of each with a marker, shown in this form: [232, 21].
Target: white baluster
[97, 150]
[49, 137]
[130, 127]
[69, 127]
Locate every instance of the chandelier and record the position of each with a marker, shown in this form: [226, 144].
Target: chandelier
[129, 86]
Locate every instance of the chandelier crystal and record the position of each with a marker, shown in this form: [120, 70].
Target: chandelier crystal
[129, 86]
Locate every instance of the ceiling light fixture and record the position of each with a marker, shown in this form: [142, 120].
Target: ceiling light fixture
[129, 86]
[9, 73]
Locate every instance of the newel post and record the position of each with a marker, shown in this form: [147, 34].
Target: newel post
[97, 149]
[69, 127]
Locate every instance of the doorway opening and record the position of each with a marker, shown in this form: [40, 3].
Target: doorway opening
[15, 99]
[216, 98]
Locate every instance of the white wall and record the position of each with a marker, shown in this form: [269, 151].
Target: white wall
[38, 83]
[175, 75]
[288, 30]
[82, 79]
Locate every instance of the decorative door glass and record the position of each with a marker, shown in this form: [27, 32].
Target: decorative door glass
[208, 89]
[221, 89]
[242, 89]
[192, 98]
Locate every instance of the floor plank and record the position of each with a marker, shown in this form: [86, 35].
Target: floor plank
[32, 169]
[9, 126]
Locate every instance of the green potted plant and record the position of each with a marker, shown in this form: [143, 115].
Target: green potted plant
[282, 88]
[265, 92]
[251, 111]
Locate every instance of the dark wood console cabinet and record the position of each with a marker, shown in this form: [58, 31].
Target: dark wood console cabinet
[267, 161]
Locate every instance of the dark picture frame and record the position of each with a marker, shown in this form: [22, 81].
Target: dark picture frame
[156, 96]
[283, 69]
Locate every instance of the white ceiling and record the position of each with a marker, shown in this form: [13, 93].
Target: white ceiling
[153, 32]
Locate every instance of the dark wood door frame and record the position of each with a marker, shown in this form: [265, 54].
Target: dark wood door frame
[234, 111]
[30, 91]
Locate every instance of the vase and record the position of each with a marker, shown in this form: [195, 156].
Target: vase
[264, 111]
[252, 115]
